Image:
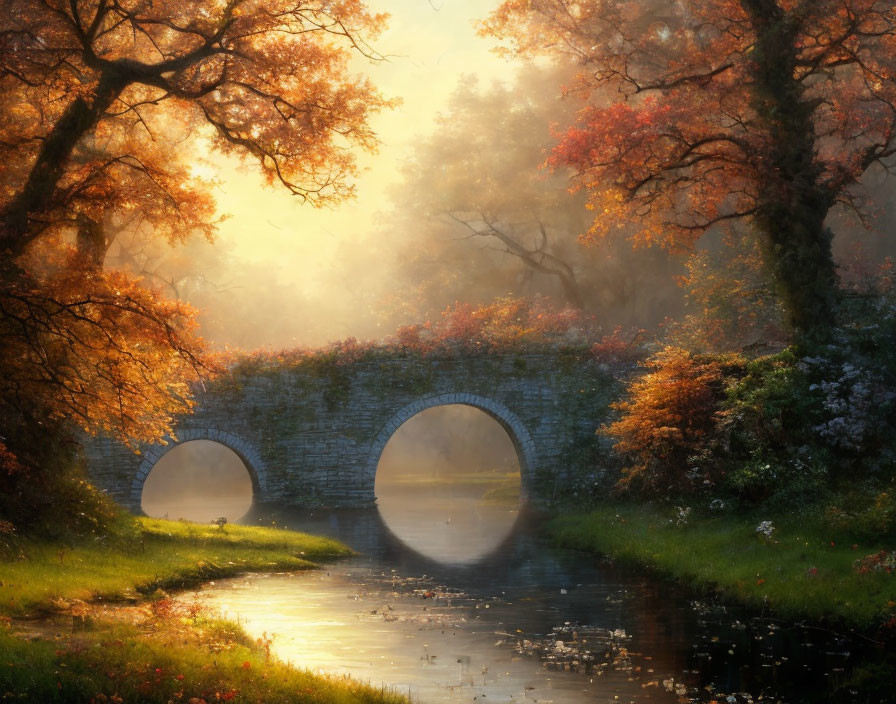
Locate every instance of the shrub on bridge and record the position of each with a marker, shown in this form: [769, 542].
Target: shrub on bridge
[505, 326]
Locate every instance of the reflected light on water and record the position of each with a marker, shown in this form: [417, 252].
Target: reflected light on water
[200, 481]
[448, 484]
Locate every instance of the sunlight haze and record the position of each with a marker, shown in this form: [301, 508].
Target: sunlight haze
[429, 48]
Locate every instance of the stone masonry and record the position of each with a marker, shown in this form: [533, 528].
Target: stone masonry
[314, 436]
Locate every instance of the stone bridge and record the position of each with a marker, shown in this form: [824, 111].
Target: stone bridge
[312, 434]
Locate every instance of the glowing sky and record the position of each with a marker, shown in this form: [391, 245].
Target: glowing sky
[431, 45]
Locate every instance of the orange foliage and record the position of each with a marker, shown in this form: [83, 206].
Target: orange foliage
[97, 350]
[731, 301]
[102, 107]
[668, 415]
[89, 87]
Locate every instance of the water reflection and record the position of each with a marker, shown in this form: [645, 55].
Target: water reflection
[448, 484]
[453, 528]
[529, 623]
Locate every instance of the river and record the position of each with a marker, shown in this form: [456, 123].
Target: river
[444, 616]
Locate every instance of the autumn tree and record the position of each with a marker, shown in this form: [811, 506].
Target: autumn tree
[759, 111]
[102, 105]
[268, 77]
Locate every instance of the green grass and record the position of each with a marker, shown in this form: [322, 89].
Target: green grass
[158, 650]
[155, 554]
[804, 571]
[180, 657]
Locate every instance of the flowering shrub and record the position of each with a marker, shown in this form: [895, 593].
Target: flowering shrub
[766, 528]
[682, 513]
[883, 561]
[779, 428]
[779, 433]
[851, 398]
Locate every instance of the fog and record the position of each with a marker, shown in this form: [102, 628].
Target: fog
[467, 142]
[200, 481]
[459, 174]
[444, 441]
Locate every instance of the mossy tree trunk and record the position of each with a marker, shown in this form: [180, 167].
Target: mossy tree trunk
[793, 200]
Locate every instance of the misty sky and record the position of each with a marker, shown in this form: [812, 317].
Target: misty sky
[431, 45]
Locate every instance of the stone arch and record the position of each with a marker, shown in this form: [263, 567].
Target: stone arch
[243, 449]
[513, 426]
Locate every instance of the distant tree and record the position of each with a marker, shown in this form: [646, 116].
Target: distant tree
[487, 219]
[764, 111]
[478, 172]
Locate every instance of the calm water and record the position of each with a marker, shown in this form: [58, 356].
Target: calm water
[523, 622]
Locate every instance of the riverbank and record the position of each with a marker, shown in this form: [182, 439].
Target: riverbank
[146, 647]
[800, 570]
[150, 554]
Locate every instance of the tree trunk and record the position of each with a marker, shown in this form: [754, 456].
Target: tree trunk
[571, 290]
[79, 117]
[793, 204]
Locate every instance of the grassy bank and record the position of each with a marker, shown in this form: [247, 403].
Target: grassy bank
[42, 576]
[155, 649]
[802, 571]
[161, 653]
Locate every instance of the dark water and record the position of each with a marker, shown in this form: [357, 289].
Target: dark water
[529, 623]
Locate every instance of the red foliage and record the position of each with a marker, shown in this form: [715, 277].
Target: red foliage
[505, 325]
[619, 347]
[9, 463]
[708, 113]
[883, 561]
